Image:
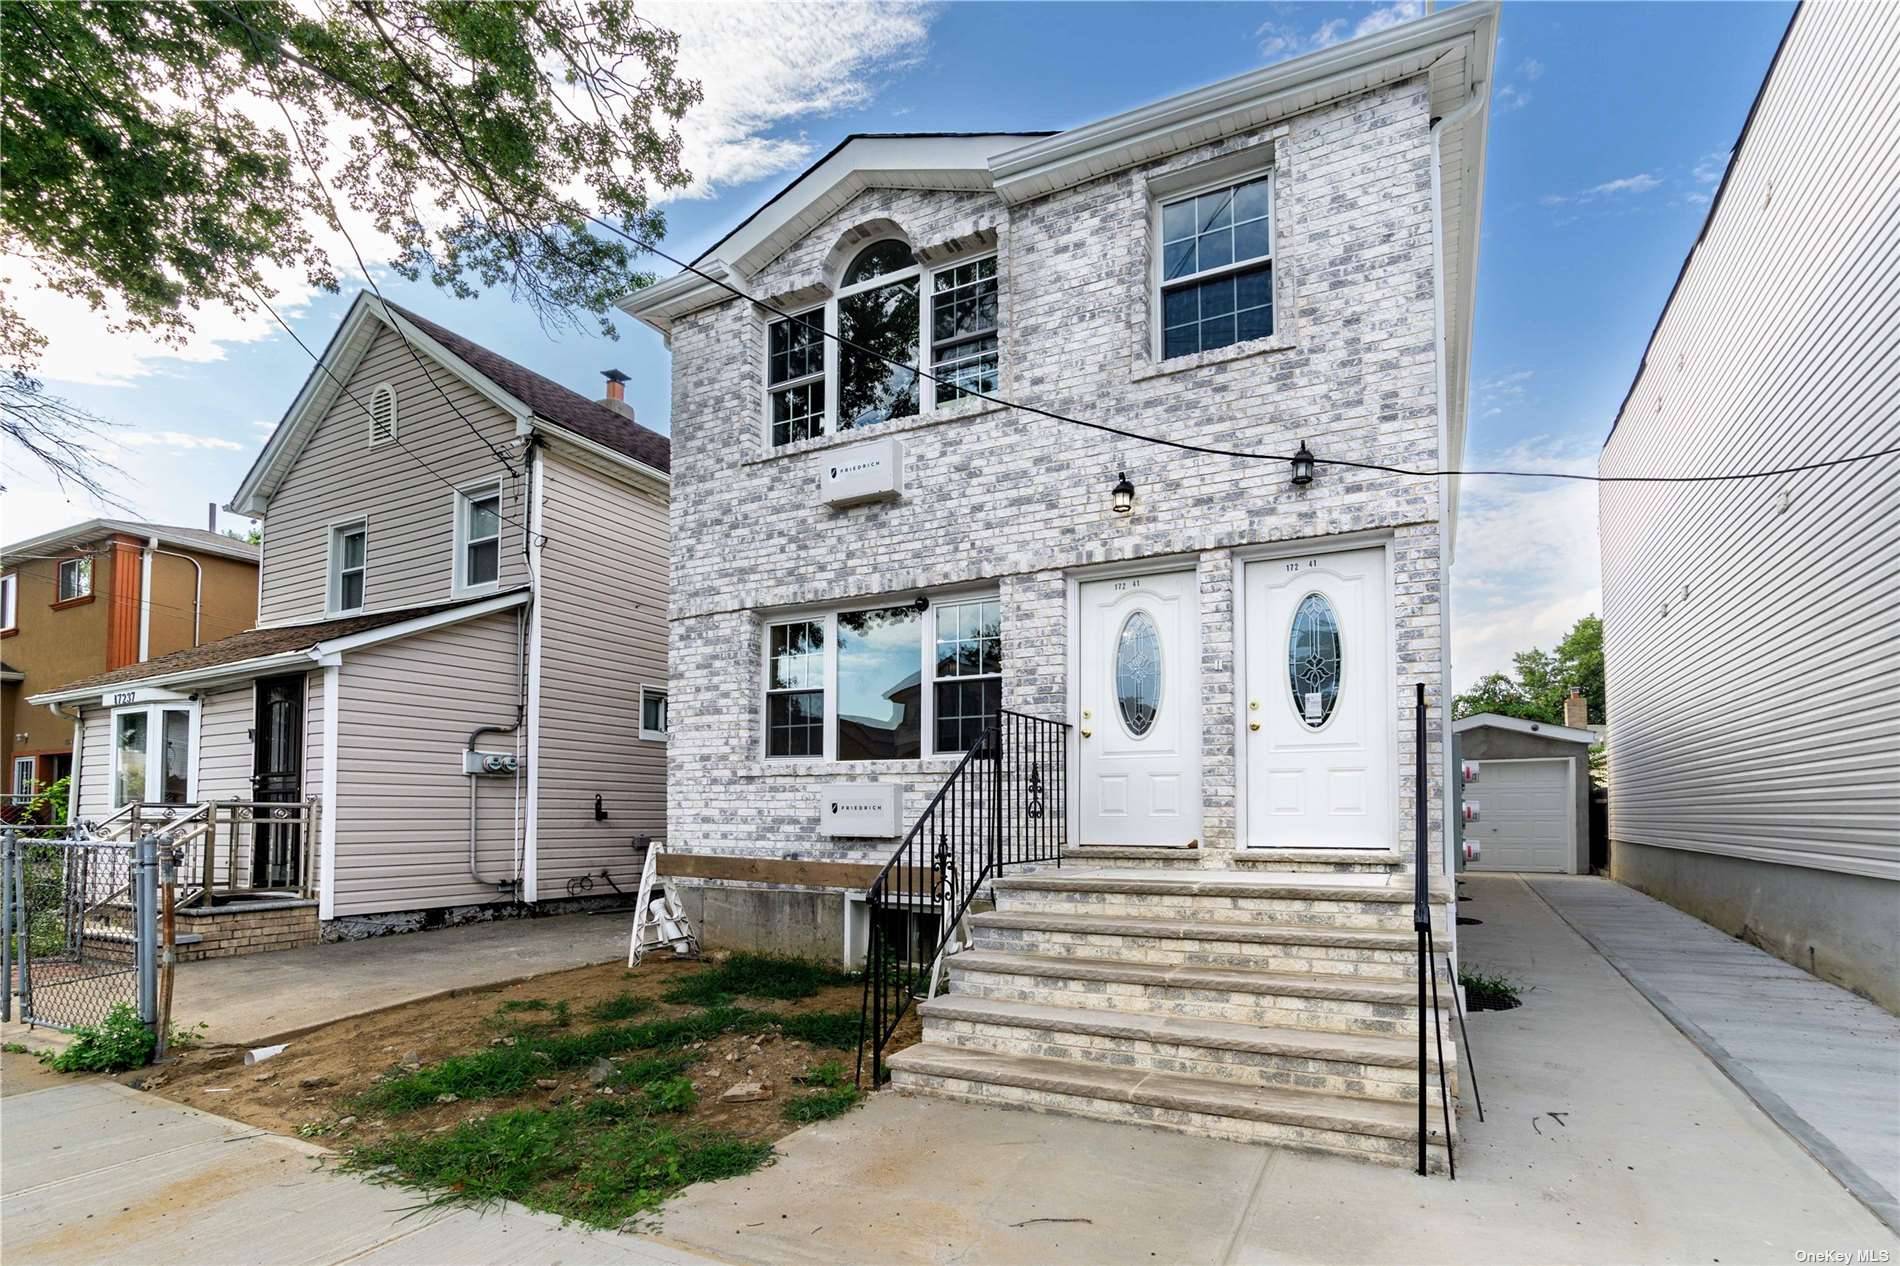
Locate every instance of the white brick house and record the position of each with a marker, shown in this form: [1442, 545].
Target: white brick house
[1281, 258]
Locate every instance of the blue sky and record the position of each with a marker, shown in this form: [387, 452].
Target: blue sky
[1610, 126]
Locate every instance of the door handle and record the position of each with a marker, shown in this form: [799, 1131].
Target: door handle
[1253, 725]
[1087, 732]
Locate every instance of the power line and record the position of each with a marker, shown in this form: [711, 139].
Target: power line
[1213, 451]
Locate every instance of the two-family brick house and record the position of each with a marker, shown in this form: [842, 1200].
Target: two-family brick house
[458, 673]
[873, 565]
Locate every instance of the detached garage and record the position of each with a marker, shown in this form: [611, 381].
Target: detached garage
[1524, 794]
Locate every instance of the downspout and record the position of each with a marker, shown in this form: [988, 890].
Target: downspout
[145, 599]
[145, 613]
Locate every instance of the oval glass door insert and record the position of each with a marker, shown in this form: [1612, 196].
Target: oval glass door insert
[1313, 660]
[1138, 672]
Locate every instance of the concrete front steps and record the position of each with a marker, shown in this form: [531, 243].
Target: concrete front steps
[1262, 1005]
[1316, 861]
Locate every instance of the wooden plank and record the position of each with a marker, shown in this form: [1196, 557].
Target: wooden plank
[769, 870]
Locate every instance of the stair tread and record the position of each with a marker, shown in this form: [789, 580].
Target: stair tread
[1190, 976]
[1390, 1052]
[1172, 1091]
[1395, 889]
[1108, 924]
[1281, 856]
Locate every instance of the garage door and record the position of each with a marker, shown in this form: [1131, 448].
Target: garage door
[1524, 815]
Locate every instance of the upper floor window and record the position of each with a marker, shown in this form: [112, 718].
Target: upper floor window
[870, 372]
[478, 537]
[382, 414]
[653, 713]
[1217, 268]
[349, 567]
[9, 602]
[75, 579]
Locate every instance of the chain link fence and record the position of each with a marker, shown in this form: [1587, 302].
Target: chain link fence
[80, 921]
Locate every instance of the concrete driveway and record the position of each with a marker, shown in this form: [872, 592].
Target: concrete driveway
[262, 997]
[1609, 1138]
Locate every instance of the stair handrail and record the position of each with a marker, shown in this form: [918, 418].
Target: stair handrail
[931, 870]
[1422, 924]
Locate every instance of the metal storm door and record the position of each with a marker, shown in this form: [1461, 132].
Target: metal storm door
[1319, 703]
[277, 778]
[1139, 731]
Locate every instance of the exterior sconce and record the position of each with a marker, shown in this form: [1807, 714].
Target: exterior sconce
[1124, 495]
[1302, 466]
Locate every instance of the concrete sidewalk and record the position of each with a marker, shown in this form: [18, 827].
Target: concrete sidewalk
[264, 996]
[94, 1173]
[1823, 1062]
[1609, 1138]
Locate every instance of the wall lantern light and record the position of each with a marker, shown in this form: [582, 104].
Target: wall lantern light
[1124, 495]
[1302, 466]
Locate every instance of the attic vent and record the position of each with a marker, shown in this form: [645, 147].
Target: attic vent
[382, 415]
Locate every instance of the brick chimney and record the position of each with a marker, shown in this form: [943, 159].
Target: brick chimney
[1576, 710]
[616, 398]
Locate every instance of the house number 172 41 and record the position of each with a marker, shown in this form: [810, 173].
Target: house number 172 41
[1311, 562]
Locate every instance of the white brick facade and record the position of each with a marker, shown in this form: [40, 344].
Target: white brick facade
[1003, 498]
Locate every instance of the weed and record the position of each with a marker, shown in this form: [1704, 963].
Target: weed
[604, 1163]
[186, 1039]
[672, 1094]
[829, 1075]
[622, 1006]
[821, 1105]
[836, 1029]
[1489, 993]
[14, 1048]
[754, 976]
[120, 1042]
[654, 1068]
[314, 1129]
[513, 1005]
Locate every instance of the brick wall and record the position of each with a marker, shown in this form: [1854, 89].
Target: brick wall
[228, 931]
[1000, 497]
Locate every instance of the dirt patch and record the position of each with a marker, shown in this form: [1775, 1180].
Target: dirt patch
[313, 1088]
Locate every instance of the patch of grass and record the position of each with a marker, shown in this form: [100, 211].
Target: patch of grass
[671, 1094]
[821, 1105]
[622, 1006]
[754, 976]
[604, 1163]
[829, 1075]
[14, 1048]
[119, 1042]
[512, 1005]
[835, 1029]
[656, 1068]
[1489, 993]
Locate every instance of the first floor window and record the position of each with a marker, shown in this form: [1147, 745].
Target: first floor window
[349, 567]
[479, 530]
[151, 756]
[1217, 268]
[23, 775]
[652, 713]
[884, 683]
[75, 578]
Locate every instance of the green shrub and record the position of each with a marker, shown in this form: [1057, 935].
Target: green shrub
[119, 1042]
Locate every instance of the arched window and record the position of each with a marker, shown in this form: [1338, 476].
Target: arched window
[877, 260]
[382, 414]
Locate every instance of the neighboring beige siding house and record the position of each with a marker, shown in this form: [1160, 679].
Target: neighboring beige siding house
[1749, 626]
[460, 556]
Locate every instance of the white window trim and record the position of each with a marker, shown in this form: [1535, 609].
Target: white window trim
[333, 582]
[463, 497]
[10, 601]
[925, 276]
[827, 618]
[154, 747]
[395, 424]
[653, 736]
[1158, 285]
[930, 663]
[59, 578]
[28, 785]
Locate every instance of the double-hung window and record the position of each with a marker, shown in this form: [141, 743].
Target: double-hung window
[75, 579]
[151, 755]
[884, 683]
[884, 331]
[9, 602]
[349, 567]
[24, 775]
[1217, 268]
[478, 537]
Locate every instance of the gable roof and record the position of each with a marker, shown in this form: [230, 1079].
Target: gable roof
[1543, 729]
[535, 401]
[177, 537]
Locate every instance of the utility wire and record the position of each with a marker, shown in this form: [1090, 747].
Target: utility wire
[1213, 451]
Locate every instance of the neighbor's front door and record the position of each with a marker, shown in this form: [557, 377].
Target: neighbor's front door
[1139, 732]
[1319, 702]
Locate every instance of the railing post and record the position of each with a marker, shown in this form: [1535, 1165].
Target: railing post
[145, 907]
[1421, 910]
[6, 924]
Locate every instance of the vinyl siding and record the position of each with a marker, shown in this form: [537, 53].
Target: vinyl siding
[95, 765]
[411, 512]
[1750, 626]
[225, 720]
[602, 607]
[405, 710]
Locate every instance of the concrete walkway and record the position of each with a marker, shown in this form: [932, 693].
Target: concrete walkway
[1823, 1062]
[1609, 1138]
[94, 1173]
[246, 1001]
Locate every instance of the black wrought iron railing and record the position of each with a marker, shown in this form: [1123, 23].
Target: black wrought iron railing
[1427, 951]
[1006, 804]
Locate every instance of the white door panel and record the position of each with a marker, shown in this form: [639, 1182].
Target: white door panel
[1139, 735]
[1319, 704]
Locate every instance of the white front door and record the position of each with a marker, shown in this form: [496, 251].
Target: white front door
[1319, 702]
[1139, 732]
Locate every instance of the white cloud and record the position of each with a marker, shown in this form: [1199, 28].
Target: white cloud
[1509, 98]
[1641, 182]
[1709, 168]
[1285, 39]
[1527, 564]
[177, 440]
[1388, 16]
[1531, 69]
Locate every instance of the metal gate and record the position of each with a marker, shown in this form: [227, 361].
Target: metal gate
[80, 920]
